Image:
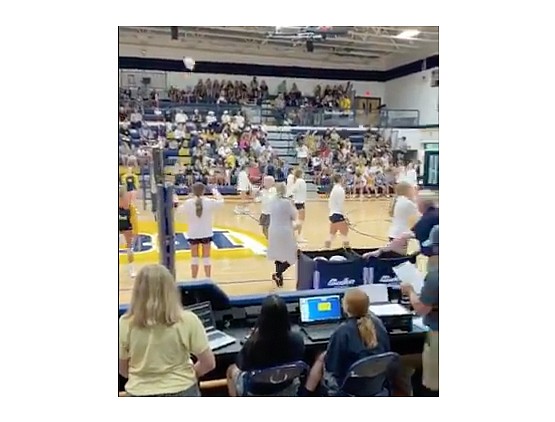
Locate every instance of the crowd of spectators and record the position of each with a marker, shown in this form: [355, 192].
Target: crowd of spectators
[376, 166]
[221, 92]
[255, 92]
[218, 147]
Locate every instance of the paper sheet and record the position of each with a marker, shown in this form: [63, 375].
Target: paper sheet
[408, 273]
[377, 293]
[389, 309]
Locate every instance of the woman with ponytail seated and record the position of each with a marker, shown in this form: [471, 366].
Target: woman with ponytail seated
[199, 212]
[360, 336]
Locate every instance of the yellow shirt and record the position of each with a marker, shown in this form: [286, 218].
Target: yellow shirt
[160, 356]
[230, 160]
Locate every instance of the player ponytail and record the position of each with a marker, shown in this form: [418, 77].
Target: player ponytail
[198, 191]
[356, 304]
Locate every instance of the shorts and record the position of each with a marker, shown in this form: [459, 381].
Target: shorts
[430, 361]
[336, 218]
[264, 220]
[201, 241]
[125, 228]
[299, 206]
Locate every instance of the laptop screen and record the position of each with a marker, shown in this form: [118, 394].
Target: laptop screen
[204, 312]
[320, 308]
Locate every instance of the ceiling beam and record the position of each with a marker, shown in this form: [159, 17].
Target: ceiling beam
[204, 46]
[360, 47]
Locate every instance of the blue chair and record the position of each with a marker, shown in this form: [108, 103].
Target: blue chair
[275, 375]
[367, 377]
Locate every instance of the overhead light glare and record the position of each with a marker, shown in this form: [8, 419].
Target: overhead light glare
[408, 34]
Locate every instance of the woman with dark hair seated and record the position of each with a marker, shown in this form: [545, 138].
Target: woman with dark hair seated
[271, 344]
[360, 336]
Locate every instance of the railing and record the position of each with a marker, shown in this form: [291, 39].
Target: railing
[295, 116]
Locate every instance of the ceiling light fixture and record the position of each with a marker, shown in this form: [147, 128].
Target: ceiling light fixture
[408, 34]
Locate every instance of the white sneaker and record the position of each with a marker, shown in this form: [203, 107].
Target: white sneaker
[238, 211]
[132, 272]
[302, 240]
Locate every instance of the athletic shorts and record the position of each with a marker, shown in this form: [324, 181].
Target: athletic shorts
[125, 227]
[201, 241]
[336, 218]
[264, 220]
[299, 206]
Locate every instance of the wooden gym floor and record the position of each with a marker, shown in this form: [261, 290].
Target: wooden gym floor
[245, 270]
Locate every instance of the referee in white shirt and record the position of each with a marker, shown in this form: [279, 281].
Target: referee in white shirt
[299, 198]
[338, 222]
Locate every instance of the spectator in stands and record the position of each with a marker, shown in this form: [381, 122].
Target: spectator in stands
[263, 90]
[271, 343]
[302, 153]
[157, 338]
[361, 335]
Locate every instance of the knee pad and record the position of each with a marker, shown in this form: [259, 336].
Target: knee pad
[206, 261]
[194, 260]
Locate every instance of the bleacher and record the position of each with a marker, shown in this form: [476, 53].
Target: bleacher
[283, 139]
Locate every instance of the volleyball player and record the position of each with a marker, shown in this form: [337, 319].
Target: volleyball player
[411, 175]
[267, 195]
[338, 222]
[131, 183]
[360, 183]
[128, 225]
[290, 183]
[199, 211]
[403, 210]
[243, 187]
[298, 192]
[282, 245]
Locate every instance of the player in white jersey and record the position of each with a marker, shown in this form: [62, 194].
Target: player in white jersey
[298, 192]
[411, 175]
[243, 187]
[267, 195]
[199, 212]
[290, 183]
[338, 222]
[403, 211]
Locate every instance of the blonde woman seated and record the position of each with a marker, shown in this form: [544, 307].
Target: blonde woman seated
[157, 338]
[360, 336]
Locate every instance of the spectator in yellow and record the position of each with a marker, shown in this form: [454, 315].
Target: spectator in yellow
[345, 103]
[231, 161]
[157, 337]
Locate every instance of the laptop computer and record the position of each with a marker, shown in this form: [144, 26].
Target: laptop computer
[216, 338]
[320, 315]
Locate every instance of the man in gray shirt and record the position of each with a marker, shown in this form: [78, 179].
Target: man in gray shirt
[427, 305]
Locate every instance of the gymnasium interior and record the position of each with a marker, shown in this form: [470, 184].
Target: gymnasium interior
[196, 104]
